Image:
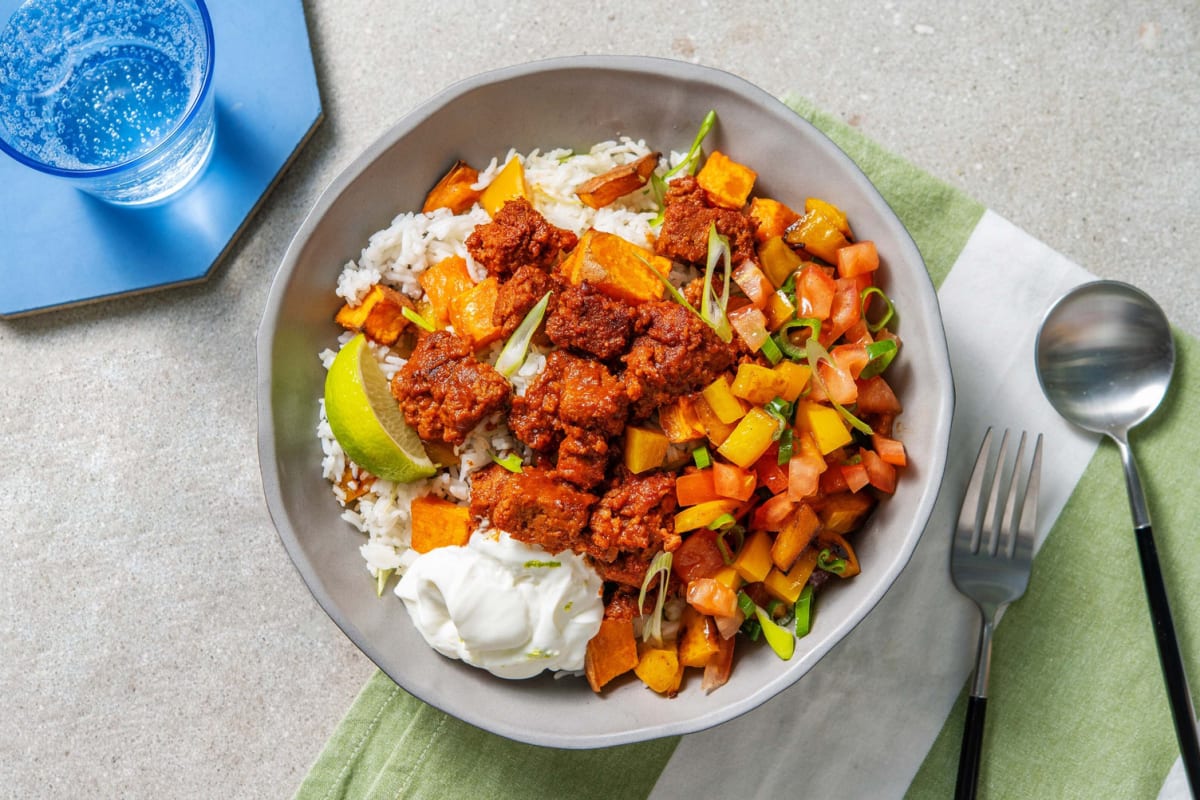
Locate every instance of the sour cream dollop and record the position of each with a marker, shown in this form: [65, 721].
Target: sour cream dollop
[503, 605]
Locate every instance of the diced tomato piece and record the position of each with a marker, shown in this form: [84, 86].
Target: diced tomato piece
[875, 396]
[890, 450]
[858, 333]
[833, 481]
[881, 474]
[852, 358]
[754, 283]
[839, 384]
[855, 476]
[711, 597]
[772, 514]
[815, 290]
[695, 487]
[804, 477]
[845, 310]
[857, 259]
[732, 481]
[697, 557]
[751, 326]
[770, 473]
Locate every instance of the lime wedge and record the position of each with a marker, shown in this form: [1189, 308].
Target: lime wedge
[367, 421]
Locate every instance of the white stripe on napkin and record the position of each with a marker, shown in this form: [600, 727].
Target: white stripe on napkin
[884, 693]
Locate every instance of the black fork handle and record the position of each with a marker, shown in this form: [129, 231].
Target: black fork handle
[1169, 658]
[972, 747]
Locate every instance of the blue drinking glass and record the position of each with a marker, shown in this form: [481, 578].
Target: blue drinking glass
[112, 95]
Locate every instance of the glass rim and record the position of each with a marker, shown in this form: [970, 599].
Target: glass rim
[137, 161]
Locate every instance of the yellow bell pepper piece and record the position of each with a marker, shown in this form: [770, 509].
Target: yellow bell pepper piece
[757, 384]
[824, 423]
[778, 311]
[645, 449]
[716, 431]
[753, 561]
[830, 212]
[699, 641]
[750, 439]
[786, 586]
[795, 536]
[702, 515]
[509, 184]
[729, 577]
[796, 377]
[818, 235]
[723, 401]
[778, 260]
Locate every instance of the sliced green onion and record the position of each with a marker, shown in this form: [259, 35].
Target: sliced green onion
[770, 350]
[880, 354]
[513, 355]
[511, 462]
[701, 457]
[781, 410]
[721, 522]
[693, 155]
[804, 611]
[418, 320]
[786, 446]
[727, 552]
[745, 605]
[676, 295]
[535, 564]
[658, 188]
[712, 307]
[784, 340]
[887, 316]
[827, 561]
[381, 579]
[780, 639]
[817, 353]
[661, 567]
[788, 289]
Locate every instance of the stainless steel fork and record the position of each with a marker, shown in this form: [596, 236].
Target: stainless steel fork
[990, 560]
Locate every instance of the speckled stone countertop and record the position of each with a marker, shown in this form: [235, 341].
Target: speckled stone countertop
[155, 639]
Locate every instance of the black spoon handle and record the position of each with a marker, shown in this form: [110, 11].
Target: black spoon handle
[1169, 657]
[972, 746]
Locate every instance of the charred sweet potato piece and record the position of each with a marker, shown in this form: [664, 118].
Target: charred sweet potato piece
[611, 652]
[380, 315]
[618, 181]
[454, 190]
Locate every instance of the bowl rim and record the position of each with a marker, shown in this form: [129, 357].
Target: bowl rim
[269, 326]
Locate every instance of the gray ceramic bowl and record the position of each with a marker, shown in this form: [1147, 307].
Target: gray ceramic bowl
[575, 102]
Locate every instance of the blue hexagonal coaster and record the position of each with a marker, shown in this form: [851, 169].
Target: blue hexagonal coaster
[61, 247]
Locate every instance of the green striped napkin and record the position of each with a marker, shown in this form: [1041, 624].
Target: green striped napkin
[1077, 706]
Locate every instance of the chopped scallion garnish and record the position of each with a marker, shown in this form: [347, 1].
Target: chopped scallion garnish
[660, 567]
[780, 639]
[880, 354]
[712, 306]
[511, 462]
[381, 579]
[418, 320]
[786, 446]
[513, 355]
[701, 457]
[816, 353]
[804, 611]
[784, 340]
[771, 351]
[692, 158]
[745, 605]
[864, 296]
[827, 561]
[721, 522]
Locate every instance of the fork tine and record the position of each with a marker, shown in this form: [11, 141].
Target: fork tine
[968, 515]
[990, 535]
[1008, 527]
[1027, 523]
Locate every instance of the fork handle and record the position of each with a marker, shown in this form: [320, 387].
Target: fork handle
[972, 747]
[1169, 657]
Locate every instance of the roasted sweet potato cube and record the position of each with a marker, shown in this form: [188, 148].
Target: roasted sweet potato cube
[845, 512]
[794, 537]
[617, 182]
[438, 523]
[700, 640]
[380, 315]
[616, 267]
[611, 652]
[471, 313]
[726, 182]
[454, 190]
[443, 282]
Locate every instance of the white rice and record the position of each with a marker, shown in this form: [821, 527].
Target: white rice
[396, 256]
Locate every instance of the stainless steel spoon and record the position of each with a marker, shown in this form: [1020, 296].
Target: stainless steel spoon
[1104, 358]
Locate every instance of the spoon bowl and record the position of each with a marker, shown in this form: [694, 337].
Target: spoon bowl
[1105, 356]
